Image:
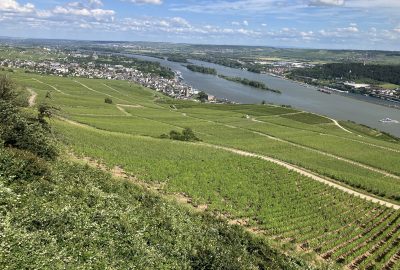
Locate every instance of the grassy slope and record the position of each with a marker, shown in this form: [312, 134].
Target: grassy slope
[76, 217]
[206, 175]
[209, 121]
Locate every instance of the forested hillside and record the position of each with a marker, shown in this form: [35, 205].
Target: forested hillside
[352, 71]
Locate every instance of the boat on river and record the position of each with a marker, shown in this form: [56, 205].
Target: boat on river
[388, 120]
[325, 91]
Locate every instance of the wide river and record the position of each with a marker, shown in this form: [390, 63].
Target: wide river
[337, 106]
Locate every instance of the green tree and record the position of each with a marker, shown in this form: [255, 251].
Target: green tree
[7, 89]
[202, 96]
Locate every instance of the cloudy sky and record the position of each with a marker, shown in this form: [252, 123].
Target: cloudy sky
[349, 24]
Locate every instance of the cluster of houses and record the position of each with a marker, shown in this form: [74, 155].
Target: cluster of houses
[174, 87]
[388, 94]
[281, 67]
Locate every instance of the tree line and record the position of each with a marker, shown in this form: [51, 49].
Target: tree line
[352, 71]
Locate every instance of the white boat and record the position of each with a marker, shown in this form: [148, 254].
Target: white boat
[388, 120]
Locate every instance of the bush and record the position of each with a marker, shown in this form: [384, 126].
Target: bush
[108, 100]
[21, 165]
[20, 131]
[23, 133]
[186, 135]
[7, 89]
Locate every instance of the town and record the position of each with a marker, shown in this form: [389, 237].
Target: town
[173, 87]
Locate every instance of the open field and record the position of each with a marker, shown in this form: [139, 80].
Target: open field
[294, 210]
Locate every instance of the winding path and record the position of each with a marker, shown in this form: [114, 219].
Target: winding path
[338, 125]
[119, 107]
[305, 172]
[302, 171]
[55, 88]
[32, 98]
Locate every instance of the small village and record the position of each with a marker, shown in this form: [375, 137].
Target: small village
[174, 87]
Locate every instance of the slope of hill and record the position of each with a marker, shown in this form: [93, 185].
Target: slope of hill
[241, 169]
[58, 214]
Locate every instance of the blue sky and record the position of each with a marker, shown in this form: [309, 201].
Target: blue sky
[336, 24]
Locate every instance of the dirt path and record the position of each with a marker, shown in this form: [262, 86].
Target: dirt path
[336, 136]
[130, 106]
[385, 173]
[307, 148]
[289, 166]
[305, 173]
[123, 110]
[101, 93]
[32, 98]
[115, 90]
[338, 125]
[55, 88]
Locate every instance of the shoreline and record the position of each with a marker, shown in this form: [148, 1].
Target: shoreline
[369, 99]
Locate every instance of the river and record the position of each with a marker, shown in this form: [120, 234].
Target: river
[337, 106]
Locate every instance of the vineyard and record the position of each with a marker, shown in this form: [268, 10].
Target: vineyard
[295, 212]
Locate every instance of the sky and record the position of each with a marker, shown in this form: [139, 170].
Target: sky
[330, 24]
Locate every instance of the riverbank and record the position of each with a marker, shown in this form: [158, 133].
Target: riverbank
[307, 98]
[369, 99]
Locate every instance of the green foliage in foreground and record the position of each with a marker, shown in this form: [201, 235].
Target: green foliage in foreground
[76, 217]
[20, 130]
[59, 215]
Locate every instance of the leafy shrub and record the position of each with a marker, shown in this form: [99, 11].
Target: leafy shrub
[21, 165]
[186, 135]
[7, 89]
[20, 131]
[108, 100]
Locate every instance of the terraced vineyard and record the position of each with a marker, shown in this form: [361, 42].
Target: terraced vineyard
[295, 211]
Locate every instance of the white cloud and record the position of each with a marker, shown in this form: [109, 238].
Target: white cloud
[180, 21]
[264, 25]
[151, 2]
[326, 2]
[96, 3]
[14, 6]
[373, 3]
[217, 6]
[96, 13]
[350, 29]
[243, 23]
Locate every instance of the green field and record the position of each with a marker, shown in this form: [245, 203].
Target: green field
[297, 213]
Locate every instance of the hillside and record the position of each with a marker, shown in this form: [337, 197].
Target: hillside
[310, 186]
[58, 213]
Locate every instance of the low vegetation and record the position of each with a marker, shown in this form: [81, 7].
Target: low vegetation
[177, 58]
[292, 211]
[186, 135]
[244, 81]
[353, 71]
[202, 69]
[73, 216]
